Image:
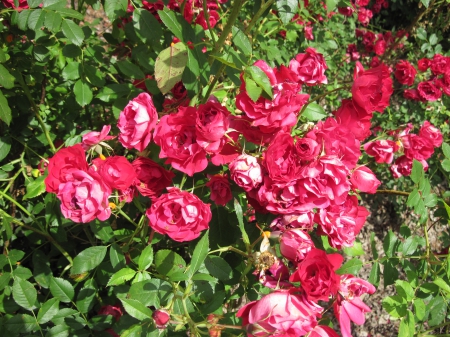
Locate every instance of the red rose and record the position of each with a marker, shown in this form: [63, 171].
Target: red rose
[307, 148]
[405, 72]
[444, 83]
[431, 133]
[151, 178]
[211, 125]
[413, 94]
[317, 274]
[113, 310]
[403, 166]
[176, 135]
[423, 64]
[62, 164]
[354, 118]
[308, 33]
[23, 4]
[309, 67]
[372, 89]
[380, 47]
[382, 150]
[417, 147]
[136, 122]
[117, 172]
[364, 179]
[364, 16]
[180, 215]
[440, 64]
[429, 91]
[161, 318]
[220, 189]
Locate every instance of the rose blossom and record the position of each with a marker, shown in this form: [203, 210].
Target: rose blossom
[280, 313]
[220, 189]
[383, 150]
[211, 125]
[380, 46]
[94, 137]
[323, 331]
[440, 64]
[117, 172]
[307, 148]
[354, 118]
[317, 274]
[137, 121]
[179, 214]
[372, 88]
[364, 16]
[246, 172]
[444, 83]
[85, 197]
[417, 147]
[364, 179]
[113, 310]
[61, 166]
[413, 94]
[151, 178]
[423, 64]
[403, 166]
[295, 244]
[23, 4]
[309, 33]
[429, 91]
[161, 318]
[177, 137]
[309, 67]
[405, 73]
[432, 133]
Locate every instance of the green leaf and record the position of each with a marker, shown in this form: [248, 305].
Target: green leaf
[86, 296]
[218, 267]
[22, 20]
[430, 200]
[6, 79]
[169, 66]
[422, 33]
[350, 267]
[130, 69]
[252, 89]
[426, 3]
[53, 21]
[446, 150]
[404, 289]
[36, 19]
[41, 269]
[71, 71]
[390, 273]
[390, 244]
[15, 255]
[286, 10]
[314, 112]
[437, 309]
[35, 188]
[88, 259]
[446, 164]
[410, 245]
[133, 331]
[374, 276]
[115, 9]
[61, 289]
[58, 331]
[154, 292]
[395, 306]
[419, 308]
[71, 13]
[168, 263]
[355, 250]
[24, 293]
[147, 27]
[5, 111]
[83, 93]
[241, 41]
[48, 310]
[177, 25]
[331, 5]
[54, 4]
[199, 255]
[240, 218]
[407, 325]
[116, 256]
[146, 258]
[34, 3]
[21, 323]
[112, 92]
[123, 275]
[442, 284]
[94, 75]
[433, 39]
[73, 32]
[261, 79]
[136, 309]
[417, 171]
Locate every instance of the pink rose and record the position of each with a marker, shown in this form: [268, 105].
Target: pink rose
[61, 166]
[151, 178]
[309, 33]
[246, 172]
[295, 244]
[280, 313]
[417, 147]
[304, 221]
[405, 73]
[403, 166]
[309, 67]
[117, 172]
[354, 118]
[85, 197]
[23, 4]
[137, 121]
[180, 215]
[372, 89]
[364, 16]
[323, 331]
[431, 133]
[364, 179]
[317, 274]
[93, 138]
[220, 189]
[161, 318]
[382, 150]
[211, 124]
[307, 148]
[429, 91]
[177, 136]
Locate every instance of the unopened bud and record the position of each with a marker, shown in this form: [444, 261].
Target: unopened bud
[161, 318]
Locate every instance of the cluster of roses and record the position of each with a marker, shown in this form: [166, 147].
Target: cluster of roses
[431, 89]
[412, 146]
[193, 10]
[22, 4]
[364, 14]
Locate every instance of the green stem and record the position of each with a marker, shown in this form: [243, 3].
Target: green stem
[127, 217]
[394, 192]
[35, 109]
[229, 249]
[264, 7]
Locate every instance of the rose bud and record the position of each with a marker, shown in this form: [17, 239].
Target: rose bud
[161, 318]
[246, 172]
[364, 180]
[295, 244]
